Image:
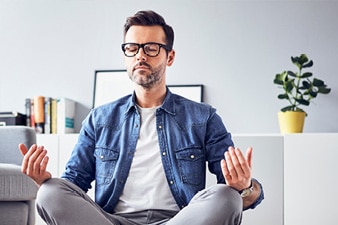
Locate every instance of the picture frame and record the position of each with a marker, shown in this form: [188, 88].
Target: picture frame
[110, 85]
[191, 91]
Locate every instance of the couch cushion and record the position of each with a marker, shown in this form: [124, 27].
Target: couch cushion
[15, 186]
[13, 213]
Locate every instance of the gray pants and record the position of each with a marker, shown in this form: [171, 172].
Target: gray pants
[63, 203]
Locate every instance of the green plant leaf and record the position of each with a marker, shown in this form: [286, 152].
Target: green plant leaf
[287, 108]
[283, 96]
[317, 82]
[306, 85]
[302, 101]
[303, 59]
[312, 93]
[324, 90]
[292, 74]
[295, 60]
[306, 75]
[309, 64]
[288, 85]
[279, 79]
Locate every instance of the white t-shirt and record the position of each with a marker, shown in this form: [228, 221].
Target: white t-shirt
[146, 187]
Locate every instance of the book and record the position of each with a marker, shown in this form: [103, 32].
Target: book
[53, 125]
[65, 115]
[28, 111]
[32, 117]
[39, 114]
[48, 118]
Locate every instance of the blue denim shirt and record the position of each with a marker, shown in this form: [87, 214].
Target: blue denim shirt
[189, 134]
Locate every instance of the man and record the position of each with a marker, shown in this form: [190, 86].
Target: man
[147, 152]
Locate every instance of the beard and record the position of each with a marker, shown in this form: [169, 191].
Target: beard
[144, 78]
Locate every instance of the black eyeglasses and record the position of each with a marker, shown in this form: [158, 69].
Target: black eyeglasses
[151, 49]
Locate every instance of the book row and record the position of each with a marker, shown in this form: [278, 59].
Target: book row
[50, 115]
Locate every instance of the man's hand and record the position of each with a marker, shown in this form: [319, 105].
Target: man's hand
[237, 169]
[35, 162]
[237, 173]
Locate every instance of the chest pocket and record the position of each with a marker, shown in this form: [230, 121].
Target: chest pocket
[191, 162]
[106, 160]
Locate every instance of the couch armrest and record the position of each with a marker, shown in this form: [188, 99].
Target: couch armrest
[10, 138]
[16, 186]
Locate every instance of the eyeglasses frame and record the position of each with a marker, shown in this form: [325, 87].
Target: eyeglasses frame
[142, 46]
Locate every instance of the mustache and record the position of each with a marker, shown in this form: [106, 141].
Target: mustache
[141, 64]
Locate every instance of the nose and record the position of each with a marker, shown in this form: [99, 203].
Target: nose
[141, 55]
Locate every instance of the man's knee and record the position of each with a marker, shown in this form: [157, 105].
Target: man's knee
[51, 191]
[228, 197]
[220, 204]
[222, 196]
[48, 191]
[228, 202]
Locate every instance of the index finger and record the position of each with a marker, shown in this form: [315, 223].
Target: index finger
[23, 149]
[27, 154]
[249, 156]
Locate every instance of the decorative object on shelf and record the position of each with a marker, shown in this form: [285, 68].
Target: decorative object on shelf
[109, 85]
[298, 90]
[12, 119]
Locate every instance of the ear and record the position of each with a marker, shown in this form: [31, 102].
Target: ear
[171, 57]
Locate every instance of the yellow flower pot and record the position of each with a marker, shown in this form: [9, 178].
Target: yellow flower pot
[291, 122]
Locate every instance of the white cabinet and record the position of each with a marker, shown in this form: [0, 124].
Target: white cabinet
[59, 149]
[310, 179]
[51, 143]
[66, 145]
[297, 172]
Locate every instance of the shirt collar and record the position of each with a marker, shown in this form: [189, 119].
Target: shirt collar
[168, 103]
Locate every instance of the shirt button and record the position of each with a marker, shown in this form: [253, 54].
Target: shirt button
[101, 156]
[171, 182]
[192, 156]
[163, 153]
[160, 126]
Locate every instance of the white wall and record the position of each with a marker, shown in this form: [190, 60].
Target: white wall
[234, 48]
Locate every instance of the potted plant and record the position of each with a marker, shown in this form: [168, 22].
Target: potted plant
[299, 89]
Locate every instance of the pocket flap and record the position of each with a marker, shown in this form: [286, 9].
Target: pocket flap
[105, 154]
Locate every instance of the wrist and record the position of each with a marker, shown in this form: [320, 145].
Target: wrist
[247, 191]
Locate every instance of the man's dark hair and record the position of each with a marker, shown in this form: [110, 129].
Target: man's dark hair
[151, 18]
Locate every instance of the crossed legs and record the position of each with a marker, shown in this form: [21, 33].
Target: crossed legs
[61, 202]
